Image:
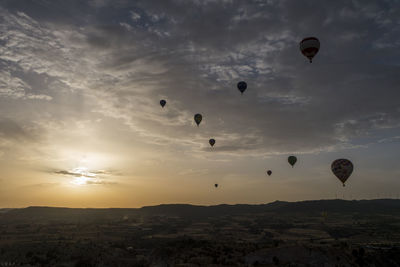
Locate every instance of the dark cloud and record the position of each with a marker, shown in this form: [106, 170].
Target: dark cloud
[393, 139]
[127, 55]
[92, 177]
[85, 173]
[106, 172]
[59, 12]
[77, 174]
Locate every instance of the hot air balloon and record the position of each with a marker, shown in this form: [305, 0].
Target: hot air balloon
[242, 86]
[216, 185]
[342, 168]
[163, 102]
[212, 141]
[309, 47]
[198, 118]
[292, 160]
[269, 172]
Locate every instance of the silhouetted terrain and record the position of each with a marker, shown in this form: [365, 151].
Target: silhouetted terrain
[48, 214]
[307, 233]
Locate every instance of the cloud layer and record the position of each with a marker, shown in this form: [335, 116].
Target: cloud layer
[125, 56]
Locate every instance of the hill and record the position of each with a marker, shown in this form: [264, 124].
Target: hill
[77, 215]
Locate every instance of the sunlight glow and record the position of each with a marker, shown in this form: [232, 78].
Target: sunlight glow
[82, 177]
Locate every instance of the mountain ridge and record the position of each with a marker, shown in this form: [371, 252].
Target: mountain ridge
[87, 215]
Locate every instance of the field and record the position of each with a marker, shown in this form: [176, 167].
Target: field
[314, 233]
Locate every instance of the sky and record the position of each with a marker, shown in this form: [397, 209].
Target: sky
[80, 85]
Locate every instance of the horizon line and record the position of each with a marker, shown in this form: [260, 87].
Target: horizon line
[197, 205]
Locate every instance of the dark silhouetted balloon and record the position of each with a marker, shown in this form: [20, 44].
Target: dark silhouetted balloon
[198, 118]
[342, 168]
[242, 86]
[212, 141]
[309, 47]
[216, 185]
[163, 102]
[269, 172]
[292, 160]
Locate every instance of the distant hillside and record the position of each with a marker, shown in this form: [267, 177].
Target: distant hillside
[378, 206]
[69, 215]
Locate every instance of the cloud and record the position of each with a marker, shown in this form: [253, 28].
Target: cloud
[135, 16]
[100, 182]
[11, 130]
[83, 172]
[390, 139]
[43, 185]
[98, 177]
[123, 57]
[193, 172]
[70, 173]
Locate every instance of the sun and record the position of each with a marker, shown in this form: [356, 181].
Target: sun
[82, 176]
[79, 181]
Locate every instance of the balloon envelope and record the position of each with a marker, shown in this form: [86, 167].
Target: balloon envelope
[212, 141]
[163, 102]
[242, 86]
[309, 47]
[198, 118]
[342, 169]
[216, 185]
[292, 160]
[269, 172]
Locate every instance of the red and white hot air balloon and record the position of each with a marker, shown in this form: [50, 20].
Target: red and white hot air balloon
[309, 47]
